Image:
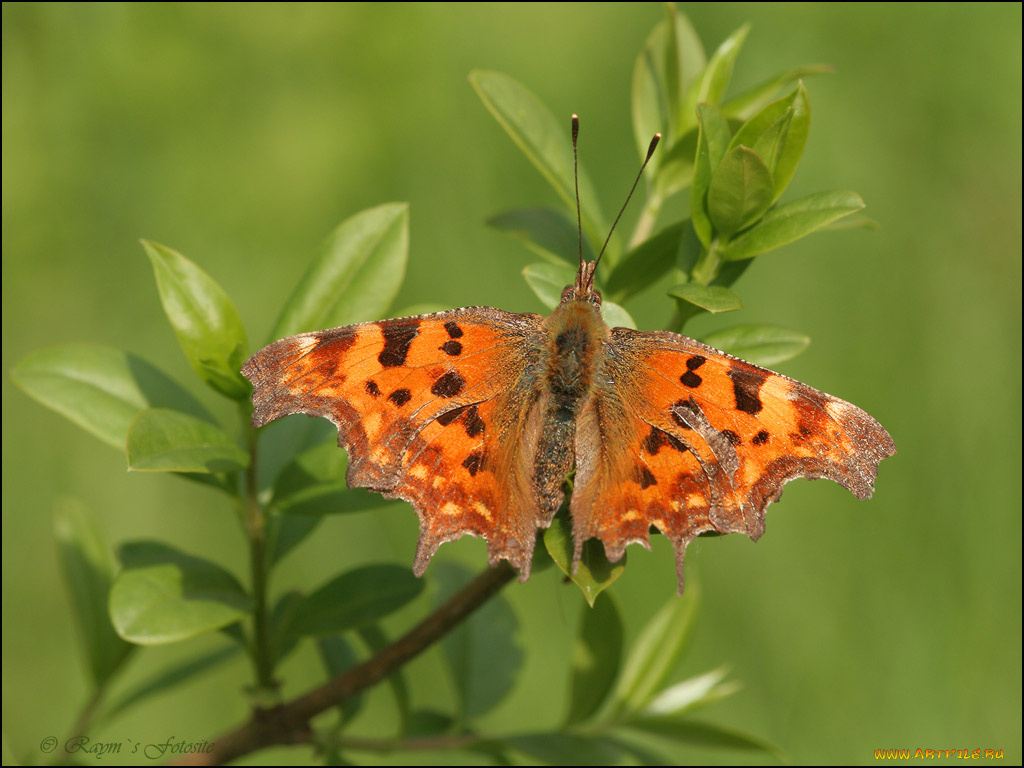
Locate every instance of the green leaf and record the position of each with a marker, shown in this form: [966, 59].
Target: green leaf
[355, 598]
[173, 676]
[282, 639]
[163, 595]
[100, 389]
[656, 651]
[542, 139]
[483, 653]
[547, 232]
[548, 281]
[675, 171]
[208, 327]
[355, 277]
[285, 532]
[560, 748]
[615, 316]
[785, 223]
[750, 101]
[376, 640]
[761, 344]
[697, 734]
[596, 657]
[692, 694]
[740, 191]
[161, 440]
[711, 298]
[88, 572]
[645, 264]
[338, 656]
[712, 142]
[778, 133]
[594, 573]
[713, 81]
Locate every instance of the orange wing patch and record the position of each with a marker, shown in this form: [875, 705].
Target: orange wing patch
[415, 401]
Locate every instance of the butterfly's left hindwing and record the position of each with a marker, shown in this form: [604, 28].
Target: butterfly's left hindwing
[431, 409]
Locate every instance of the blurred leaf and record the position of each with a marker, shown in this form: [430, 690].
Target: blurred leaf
[160, 440]
[548, 281]
[285, 532]
[697, 734]
[656, 651]
[596, 657]
[691, 694]
[747, 103]
[424, 722]
[616, 316]
[645, 264]
[740, 191]
[542, 139]
[100, 389]
[337, 656]
[88, 572]
[712, 141]
[713, 81]
[355, 598]
[483, 653]
[377, 641]
[356, 276]
[785, 223]
[208, 327]
[675, 171]
[282, 616]
[172, 676]
[561, 748]
[163, 595]
[778, 133]
[711, 298]
[760, 344]
[547, 232]
[853, 221]
[594, 573]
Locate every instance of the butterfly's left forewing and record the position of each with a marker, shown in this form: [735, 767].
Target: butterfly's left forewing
[688, 439]
[431, 409]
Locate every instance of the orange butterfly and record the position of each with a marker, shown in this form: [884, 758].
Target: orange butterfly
[477, 416]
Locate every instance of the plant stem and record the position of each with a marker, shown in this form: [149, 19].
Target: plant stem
[289, 723]
[256, 530]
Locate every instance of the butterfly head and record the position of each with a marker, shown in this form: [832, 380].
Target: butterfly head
[583, 289]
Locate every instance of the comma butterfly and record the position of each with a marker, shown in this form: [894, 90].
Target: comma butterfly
[477, 416]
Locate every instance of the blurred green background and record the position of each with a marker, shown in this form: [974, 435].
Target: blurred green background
[240, 135]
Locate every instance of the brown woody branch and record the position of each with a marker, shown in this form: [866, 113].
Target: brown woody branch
[289, 723]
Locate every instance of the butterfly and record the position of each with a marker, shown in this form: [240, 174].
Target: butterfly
[478, 416]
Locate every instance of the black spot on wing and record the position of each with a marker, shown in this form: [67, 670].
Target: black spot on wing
[657, 438]
[400, 397]
[474, 462]
[746, 387]
[449, 385]
[451, 348]
[454, 332]
[473, 423]
[645, 477]
[691, 379]
[760, 438]
[447, 418]
[372, 389]
[732, 437]
[397, 339]
[695, 362]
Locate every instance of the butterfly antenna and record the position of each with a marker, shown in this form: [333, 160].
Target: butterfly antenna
[650, 152]
[576, 180]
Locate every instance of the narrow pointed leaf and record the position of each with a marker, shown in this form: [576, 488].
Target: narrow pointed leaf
[711, 298]
[594, 573]
[675, 171]
[685, 731]
[762, 344]
[163, 595]
[740, 191]
[691, 694]
[337, 656]
[161, 440]
[208, 327]
[542, 138]
[560, 748]
[547, 232]
[355, 598]
[649, 96]
[88, 572]
[548, 281]
[712, 142]
[596, 657]
[484, 654]
[711, 85]
[356, 275]
[744, 105]
[785, 223]
[100, 389]
[645, 264]
[656, 651]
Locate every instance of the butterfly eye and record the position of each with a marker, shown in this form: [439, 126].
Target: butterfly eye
[594, 297]
[567, 293]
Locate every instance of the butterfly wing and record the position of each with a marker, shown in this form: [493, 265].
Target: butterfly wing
[689, 439]
[431, 409]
